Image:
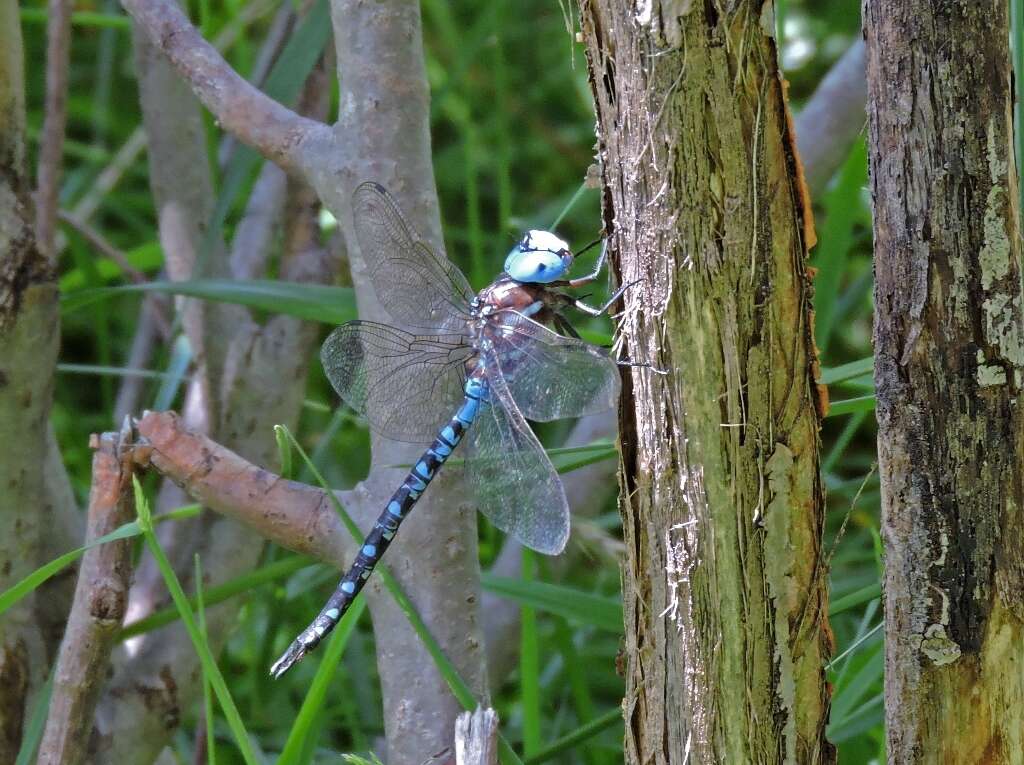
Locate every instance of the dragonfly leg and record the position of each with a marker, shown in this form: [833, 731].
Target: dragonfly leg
[592, 276]
[589, 309]
[642, 365]
[562, 325]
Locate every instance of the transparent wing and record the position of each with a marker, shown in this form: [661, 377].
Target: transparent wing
[407, 386]
[511, 476]
[550, 376]
[417, 287]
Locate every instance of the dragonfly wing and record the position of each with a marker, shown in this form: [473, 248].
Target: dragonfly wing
[512, 478]
[418, 287]
[406, 385]
[550, 376]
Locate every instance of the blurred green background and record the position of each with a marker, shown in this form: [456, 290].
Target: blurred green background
[513, 132]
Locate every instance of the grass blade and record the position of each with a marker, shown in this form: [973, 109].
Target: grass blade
[314, 701]
[314, 302]
[15, 593]
[209, 666]
[570, 741]
[529, 663]
[218, 594]
[574, 605]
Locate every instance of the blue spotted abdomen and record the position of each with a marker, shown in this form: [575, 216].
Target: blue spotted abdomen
[379, 538]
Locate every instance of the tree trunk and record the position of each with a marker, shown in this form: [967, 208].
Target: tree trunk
[949, 357]
[725, 581]
[28, 350]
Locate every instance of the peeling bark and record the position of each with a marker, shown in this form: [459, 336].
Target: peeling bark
[724, 582]
[949, 358]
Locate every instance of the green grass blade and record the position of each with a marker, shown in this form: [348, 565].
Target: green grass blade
[209, 666]
[211, 743]
[314, 302]
[18, 591]
[570, 741]
[855, 598]
[218, 594]
[314, 701]
[177, 368]
[867, 716]
[858, 368]
[576, 672]
[851, 405]
[529, 662]
[79, 19]
[835, 241]
[33, 732]
[574, 605]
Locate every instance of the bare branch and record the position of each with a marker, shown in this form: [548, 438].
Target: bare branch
[292, 514]
[51, 148]
[272, 129]
[104, 247]
[832, 119]
[99, 606]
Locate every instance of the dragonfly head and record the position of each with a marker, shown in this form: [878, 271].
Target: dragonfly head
[538, 258]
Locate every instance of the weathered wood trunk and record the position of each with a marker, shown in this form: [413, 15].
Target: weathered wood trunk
[949, 359]
[724, 582]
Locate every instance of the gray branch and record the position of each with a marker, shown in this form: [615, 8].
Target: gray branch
[272, 129]
[833, 118]
[51, 146]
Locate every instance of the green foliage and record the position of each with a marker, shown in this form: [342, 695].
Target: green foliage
[513, 137]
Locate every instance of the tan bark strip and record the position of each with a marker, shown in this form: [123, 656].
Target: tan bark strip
[98, 609]
[724, 586]
[949, 359]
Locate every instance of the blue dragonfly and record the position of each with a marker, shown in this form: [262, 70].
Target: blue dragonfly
[486, 360]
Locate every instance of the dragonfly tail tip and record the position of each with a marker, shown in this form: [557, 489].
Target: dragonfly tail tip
[288, 659]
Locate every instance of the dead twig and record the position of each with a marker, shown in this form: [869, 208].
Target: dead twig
[99, 605]
[476, 737]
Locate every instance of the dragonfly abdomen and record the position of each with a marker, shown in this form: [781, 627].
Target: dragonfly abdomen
[386, 526]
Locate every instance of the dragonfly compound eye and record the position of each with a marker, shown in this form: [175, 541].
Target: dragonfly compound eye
[539, 257]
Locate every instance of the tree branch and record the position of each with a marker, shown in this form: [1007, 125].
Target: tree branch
[833, 118]
[99, 605]
[51, 147]
[289, 513]
[272, 129]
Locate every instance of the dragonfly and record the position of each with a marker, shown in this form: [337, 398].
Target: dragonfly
[484, 364]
